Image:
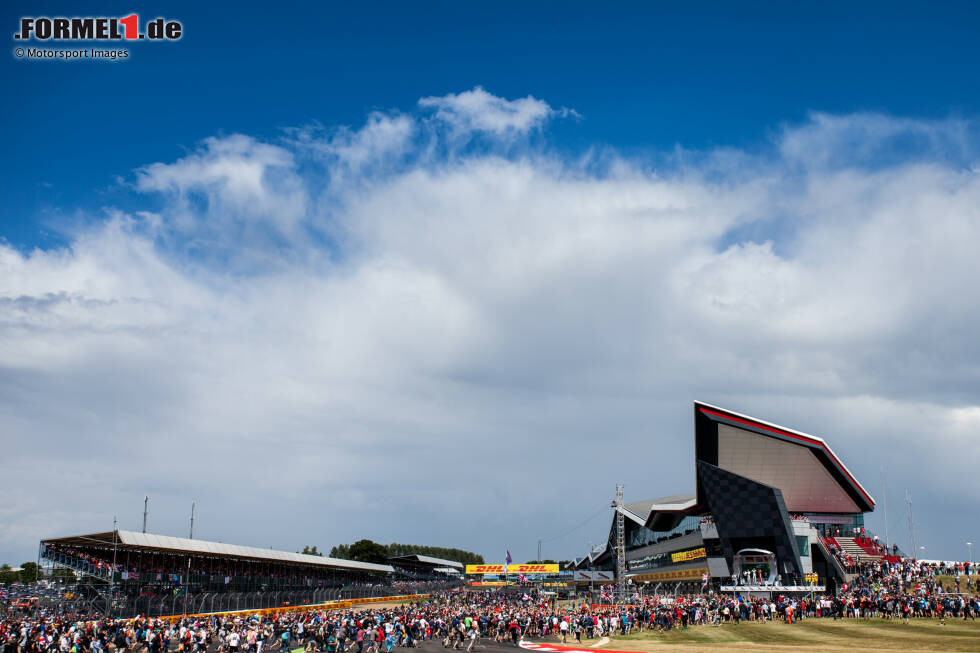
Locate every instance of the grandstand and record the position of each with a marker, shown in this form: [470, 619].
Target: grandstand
[422, 566]
[771, 505]
[145, 573]
[130, 557]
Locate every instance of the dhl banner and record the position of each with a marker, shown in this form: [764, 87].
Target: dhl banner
[487, 583]
[512, 569]
[680, 574]
[684, 556]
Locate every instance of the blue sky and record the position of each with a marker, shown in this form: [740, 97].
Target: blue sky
[356, 245]
[643, 75]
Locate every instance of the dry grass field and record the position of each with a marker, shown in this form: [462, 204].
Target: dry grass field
[823, 635]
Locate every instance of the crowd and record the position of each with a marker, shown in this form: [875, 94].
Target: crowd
[461, 619]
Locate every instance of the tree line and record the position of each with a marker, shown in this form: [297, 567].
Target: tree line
[370, 551]
[28, 573]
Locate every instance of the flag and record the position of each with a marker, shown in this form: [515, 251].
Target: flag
[704, 580]
[522, 578]
[507, 561]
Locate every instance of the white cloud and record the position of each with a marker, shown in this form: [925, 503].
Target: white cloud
[480, 111]
[447, 310]
[383, 139]
[240, 182]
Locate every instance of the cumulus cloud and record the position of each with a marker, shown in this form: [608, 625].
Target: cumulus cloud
[433, 328]
[383, 139]
[479, 111]
[234, 190]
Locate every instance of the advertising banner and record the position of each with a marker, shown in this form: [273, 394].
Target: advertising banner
[512, 569]
[684, 556]
[680, 574]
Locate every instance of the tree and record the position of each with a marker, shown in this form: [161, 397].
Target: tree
[6, 575]
[311, 551]
[345, 552]
[368, 551]
[28, 572]
[456, 555]
[63, 575]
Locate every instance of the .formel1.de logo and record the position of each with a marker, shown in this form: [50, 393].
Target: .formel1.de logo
[100, 28]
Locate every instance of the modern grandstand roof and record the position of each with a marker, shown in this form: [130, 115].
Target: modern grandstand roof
[639, 511]
[596, 553]
[180, 545]
[807, 471]
[428, 561]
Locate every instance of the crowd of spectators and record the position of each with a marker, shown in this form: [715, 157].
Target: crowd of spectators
[460, 619]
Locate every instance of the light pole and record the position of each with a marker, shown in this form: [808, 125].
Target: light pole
[591, 585]
[112, 572]
[969, 548]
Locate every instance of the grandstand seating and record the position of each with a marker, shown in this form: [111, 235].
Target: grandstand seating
[78, 564]
[860, 549]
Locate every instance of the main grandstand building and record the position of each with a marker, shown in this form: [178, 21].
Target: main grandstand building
[154, 575]
[163, 560]
[762, 491]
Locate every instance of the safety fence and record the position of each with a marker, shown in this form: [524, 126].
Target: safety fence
[329, 605]
[168, 605]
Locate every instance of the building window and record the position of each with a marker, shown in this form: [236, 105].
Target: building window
[803, 544]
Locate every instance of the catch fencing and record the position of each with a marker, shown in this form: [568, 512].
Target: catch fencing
[101, 604]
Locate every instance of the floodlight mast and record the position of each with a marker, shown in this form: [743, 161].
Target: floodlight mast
[620, 540]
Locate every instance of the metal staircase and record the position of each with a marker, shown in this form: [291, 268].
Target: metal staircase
[78, 566]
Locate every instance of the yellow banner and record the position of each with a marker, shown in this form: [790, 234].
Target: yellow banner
[684, 556]
[512, 569]
[681, 574]
[487, 583]
[329, 605]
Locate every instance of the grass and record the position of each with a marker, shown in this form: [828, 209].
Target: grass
[949, 582]
[848, 636]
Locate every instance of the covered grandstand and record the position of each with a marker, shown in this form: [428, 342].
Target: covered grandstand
[419, 565]
[159, 574]
[150, 558]
[758, 487]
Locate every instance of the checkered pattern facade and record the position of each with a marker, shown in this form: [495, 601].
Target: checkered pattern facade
[748, 513]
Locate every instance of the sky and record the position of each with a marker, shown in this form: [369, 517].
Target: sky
[446, 273]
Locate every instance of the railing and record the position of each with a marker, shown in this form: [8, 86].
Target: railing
[99, 602]
[831, 558]
[75, 564]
